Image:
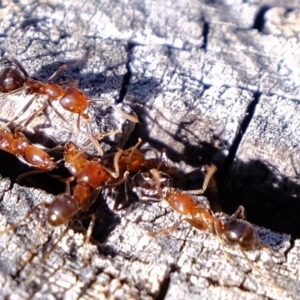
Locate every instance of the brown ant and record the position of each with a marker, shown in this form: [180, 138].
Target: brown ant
[89, 176]
[70, 98]
[157, 186]
[236, 230]
[18, 145]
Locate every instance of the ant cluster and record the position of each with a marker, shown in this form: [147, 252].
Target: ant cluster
[148, 178]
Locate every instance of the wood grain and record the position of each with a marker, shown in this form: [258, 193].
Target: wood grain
[210, 82]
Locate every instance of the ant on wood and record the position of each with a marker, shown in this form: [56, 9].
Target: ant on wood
[89, 177]
[156, 186]
[70, 98]
[18, 145]
[93, 174]
[235, 230]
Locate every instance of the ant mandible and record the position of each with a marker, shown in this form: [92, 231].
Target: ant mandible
[70, 98]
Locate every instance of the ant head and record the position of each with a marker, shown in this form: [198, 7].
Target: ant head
[62, 209]
[74, 158]
[241, 232]
[11, 80]
[146, 186]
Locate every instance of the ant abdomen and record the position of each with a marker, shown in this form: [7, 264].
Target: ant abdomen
[74, 101]
[38, 158]
[82, 192]
[62, 209]
[93, 174]
[241, 232]
[10, 80]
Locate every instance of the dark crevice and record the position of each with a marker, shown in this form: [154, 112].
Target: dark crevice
[291, 247]
[165, 283]
[259, 20]
[205, 88]
[205, 34]
[127, 76]
[237, 140]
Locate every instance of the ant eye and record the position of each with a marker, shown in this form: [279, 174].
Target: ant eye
[62, 209]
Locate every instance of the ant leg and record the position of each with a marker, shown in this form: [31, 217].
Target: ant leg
[30, 173]
[239, 214]
[89, 134]
[219, 236]
[257, 269]
[28, 259]
[101, 135]
[116, 172]
[125, 195]
[132, 149]
[24, 109]
[210, 171]
[117, 156]
[12, 227]
[194, 223]
[167, 230]
[74, 83]
[56, 243]
[78, 124]
[57, 72]
[125, 176]
[157, 177]
[206, 205]
[57, 112]
[35, 114]
[125, 115]
[71, 83]
[32, 273]
[88, 238]
[30, 256]
[294, 167]
[59, 147]
[163, 159]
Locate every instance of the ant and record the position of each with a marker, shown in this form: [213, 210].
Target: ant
[235, 230]
[18, 145]
[94, 174]
[135, 161]
[70, 98]
[156, 186]
[89, 176]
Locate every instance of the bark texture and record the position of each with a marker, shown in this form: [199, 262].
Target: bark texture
[211, 82]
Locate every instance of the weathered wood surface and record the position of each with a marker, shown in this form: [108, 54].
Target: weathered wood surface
[196, 73]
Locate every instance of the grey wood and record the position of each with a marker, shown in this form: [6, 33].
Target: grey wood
[195, 73]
